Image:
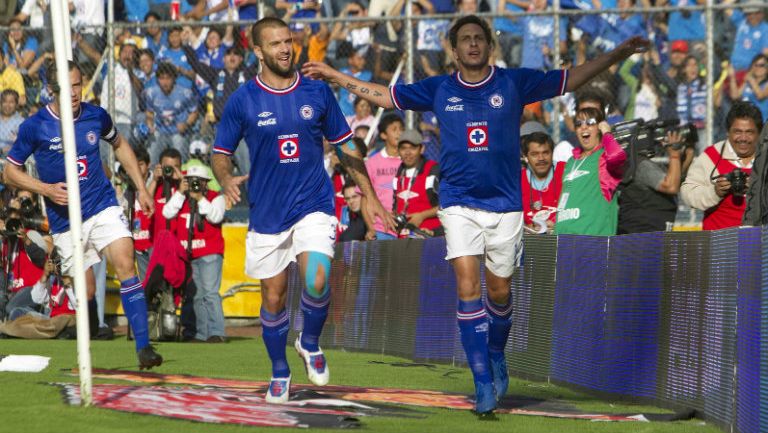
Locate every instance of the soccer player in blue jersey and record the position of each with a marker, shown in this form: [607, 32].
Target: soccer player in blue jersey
[283, 118]
[105, 228]
[478, 110]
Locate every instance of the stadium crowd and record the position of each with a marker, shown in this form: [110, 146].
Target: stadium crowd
[173, 79]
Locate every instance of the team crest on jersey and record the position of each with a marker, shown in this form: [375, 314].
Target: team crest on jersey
[477, 136]
[91, 138]
[306, 112]
[288, 146]
[496, 100]
[82, 167]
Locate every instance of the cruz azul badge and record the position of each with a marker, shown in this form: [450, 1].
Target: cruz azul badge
[477, 136]
[288, 146]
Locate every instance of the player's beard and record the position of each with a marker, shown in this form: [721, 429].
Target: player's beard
[275, 68]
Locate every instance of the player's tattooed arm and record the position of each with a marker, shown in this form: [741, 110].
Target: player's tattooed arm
[352, 160]
[372, 92]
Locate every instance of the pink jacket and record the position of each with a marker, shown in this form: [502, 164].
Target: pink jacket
[611, 165]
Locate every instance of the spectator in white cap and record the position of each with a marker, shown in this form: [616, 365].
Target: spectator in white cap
[199, 155]
[200, 212]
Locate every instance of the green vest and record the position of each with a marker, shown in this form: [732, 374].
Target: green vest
[582, 209]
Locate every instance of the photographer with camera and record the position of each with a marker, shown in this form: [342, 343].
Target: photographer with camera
[648, 199]
[415, 202]
[24, 250]
[717, 180]
[166, 178]
[200, 212]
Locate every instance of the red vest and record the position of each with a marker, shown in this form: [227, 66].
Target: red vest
[159, 221]
[24, 272]
[206, 242]
[547, 198]
[142, 228]
[418, 201]
[60, 302]
[730, 210]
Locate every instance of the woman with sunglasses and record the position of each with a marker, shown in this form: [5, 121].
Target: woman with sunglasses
[588, 203]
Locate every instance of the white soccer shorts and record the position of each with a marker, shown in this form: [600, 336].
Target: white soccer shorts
[99, 231]
[266, 255]
[474, 232]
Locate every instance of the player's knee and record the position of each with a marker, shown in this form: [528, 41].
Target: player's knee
[317, 274]
[468, 283]
[273, 300]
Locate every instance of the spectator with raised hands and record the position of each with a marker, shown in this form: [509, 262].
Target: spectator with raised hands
[751, 37]
[171, 110]
[211, 51]
[357, 33]
[212, 10]
[10, 78]
[19, 48]
[175, 55]
[156, 37]
[755, 86]
[10, 119]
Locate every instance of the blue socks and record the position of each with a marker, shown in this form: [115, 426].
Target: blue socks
[135, 307]
[315, 312]
[274, 332]
[500, 322]
[473, 326]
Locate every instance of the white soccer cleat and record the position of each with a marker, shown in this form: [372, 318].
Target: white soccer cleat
[314, 363]
[279, 390]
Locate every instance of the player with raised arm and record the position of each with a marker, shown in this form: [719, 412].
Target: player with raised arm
[479, 110]
[283, 117]
[105, 227]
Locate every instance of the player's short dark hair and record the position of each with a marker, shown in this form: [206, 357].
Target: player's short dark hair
[744, 110]
[165, 68]
[170, 152]
[50, 74]
[268, 22]
[175, 29]
[591, 112]
[141, 154]
[9, 92]
[537, 137]
[453, 34]
[388, 120]
[152, 14]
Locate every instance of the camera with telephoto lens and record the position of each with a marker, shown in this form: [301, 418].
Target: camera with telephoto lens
[648, 139]
[167, 171]
[195, 184]
[738, 180]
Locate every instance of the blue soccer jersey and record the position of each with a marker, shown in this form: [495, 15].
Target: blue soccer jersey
[284, 131]
[480, 131]
[41, 135]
